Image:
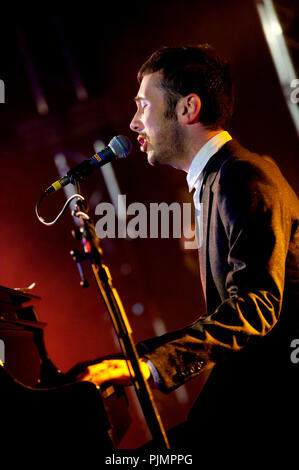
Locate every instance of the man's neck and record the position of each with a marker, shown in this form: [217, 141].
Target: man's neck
[195, 143]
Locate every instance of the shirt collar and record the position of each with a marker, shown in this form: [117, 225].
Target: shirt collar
[203, 156]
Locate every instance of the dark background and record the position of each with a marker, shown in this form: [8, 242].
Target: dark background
[106, 45]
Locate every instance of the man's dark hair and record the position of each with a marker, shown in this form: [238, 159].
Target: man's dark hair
[194, 69]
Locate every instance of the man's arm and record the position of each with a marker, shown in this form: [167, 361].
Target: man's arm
[252, 203]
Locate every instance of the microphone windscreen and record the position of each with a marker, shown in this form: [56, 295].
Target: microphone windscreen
[121, 146]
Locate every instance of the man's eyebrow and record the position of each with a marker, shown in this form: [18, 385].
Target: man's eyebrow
[139, 98]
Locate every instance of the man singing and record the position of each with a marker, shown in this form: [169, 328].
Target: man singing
[248, 238]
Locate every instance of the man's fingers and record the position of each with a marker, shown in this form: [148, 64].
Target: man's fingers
[113, 370]
[109, 370]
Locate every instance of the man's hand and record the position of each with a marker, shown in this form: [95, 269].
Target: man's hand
[113, 370]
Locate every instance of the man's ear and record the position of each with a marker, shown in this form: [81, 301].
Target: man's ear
[188, 109]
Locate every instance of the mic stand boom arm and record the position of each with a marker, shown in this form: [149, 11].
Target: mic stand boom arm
[93, 252]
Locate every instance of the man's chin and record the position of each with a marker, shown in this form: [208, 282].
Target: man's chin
[151, 159]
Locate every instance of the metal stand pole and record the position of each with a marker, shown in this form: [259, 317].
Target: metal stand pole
[93, 252]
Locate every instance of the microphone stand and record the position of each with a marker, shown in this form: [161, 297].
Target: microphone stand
[93, 252]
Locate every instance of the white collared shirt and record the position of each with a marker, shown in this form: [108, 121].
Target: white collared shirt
[195, 173]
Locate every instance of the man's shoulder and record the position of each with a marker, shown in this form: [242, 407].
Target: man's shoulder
[240, 155]
[245, 172]
[240, 162]
[234, 159]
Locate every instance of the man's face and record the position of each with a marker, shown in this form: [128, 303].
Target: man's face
[160, 137]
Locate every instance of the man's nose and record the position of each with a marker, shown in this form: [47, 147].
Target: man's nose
[135, 124]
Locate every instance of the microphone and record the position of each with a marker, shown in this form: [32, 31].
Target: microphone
[118, 147]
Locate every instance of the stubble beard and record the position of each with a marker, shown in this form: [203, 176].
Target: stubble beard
[171, 149]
